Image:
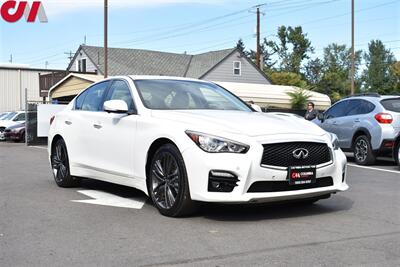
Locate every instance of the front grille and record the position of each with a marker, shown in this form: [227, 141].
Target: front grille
[281, 154]
[7, 130]
[281, 186]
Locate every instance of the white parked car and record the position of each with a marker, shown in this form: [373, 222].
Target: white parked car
[184, 141]
[11, 119]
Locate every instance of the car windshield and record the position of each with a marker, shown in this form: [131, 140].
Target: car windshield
[392, 104]
[9, 116]
[178, 94]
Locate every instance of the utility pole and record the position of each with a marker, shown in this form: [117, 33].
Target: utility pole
[70, 55]
[258, 53]
[353, 57]
[46, 64]
[105, 38]
[11, 59]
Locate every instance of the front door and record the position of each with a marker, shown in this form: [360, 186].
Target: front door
[114, 134]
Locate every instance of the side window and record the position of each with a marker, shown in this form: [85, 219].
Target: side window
[79, 100]
[119, 90]
[359, 107]
[353, 108]
[237, 68]
[94, 97]
[338, 110]
[20, 117]
[365, 107]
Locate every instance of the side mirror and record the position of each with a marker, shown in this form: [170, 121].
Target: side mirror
[321, 117]
[115, 106]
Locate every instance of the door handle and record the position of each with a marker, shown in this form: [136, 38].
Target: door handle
[97, 126]
[68, 122]
[334, 123]
[357, 120]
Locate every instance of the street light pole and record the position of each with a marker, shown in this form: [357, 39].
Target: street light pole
[353, 57]
[105, 38]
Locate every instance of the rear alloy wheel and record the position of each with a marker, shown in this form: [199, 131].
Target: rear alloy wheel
[60, 165]
[167, 183]
[363, 153]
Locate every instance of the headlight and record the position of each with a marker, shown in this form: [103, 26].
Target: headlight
[214, 144]
[334, 141]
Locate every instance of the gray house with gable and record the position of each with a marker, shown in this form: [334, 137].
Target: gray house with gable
[228, 65]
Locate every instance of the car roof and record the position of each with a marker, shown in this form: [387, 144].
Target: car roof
[371, 98]
[157, 77]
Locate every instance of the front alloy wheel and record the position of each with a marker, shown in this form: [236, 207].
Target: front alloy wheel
[60, 165]
[167, 183]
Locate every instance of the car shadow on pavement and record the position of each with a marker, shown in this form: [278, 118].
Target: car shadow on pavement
[272, 211]
[380, 161]
[235, 212]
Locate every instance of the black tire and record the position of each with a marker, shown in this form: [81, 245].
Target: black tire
[397, 154]
[60, 165]
[167, 183]
[362, 149]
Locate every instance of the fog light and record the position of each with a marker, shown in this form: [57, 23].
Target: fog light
[222, 181]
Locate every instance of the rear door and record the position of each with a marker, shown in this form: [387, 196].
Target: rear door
[80, 124]
[356, 115]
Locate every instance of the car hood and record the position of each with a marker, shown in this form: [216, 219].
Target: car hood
[8, 123]
[240, 122]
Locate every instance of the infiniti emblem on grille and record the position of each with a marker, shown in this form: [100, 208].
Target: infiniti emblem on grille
[300, 153]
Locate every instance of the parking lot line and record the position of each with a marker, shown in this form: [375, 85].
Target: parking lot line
[372, 168]
[41, 147]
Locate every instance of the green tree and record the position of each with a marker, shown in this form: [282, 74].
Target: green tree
[396, 72]
[240, 46]
[292, 48]
[298, 98]
[335, 73]
[286, 78]
[379, 76]
[313, 71]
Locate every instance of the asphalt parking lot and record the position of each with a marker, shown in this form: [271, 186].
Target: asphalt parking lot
[41, 225]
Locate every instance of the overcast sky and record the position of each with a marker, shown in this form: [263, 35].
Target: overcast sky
[194, 26]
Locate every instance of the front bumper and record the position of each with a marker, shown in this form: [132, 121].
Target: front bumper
[248, 170]
[13, 136]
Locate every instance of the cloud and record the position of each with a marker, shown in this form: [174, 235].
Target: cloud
[65, 6]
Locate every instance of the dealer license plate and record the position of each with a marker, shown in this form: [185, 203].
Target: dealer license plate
[302, 175]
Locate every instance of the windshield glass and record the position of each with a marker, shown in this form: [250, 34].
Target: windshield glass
[176, 94]
[9, 116]
[392, 104]
[2, 115]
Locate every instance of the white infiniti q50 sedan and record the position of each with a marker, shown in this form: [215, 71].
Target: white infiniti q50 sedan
[184, 141]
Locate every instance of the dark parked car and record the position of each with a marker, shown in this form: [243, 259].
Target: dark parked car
[15, 133]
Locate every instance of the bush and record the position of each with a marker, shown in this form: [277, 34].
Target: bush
[298, 98]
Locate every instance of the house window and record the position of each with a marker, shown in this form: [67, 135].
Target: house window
[82, 65]
[237, 68]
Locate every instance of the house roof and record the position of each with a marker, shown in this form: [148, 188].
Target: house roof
[123, 61]
[86, 77]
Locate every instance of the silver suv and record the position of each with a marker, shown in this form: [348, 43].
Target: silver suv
[366, 124]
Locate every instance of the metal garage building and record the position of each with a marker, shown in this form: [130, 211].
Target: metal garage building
[13, 81]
